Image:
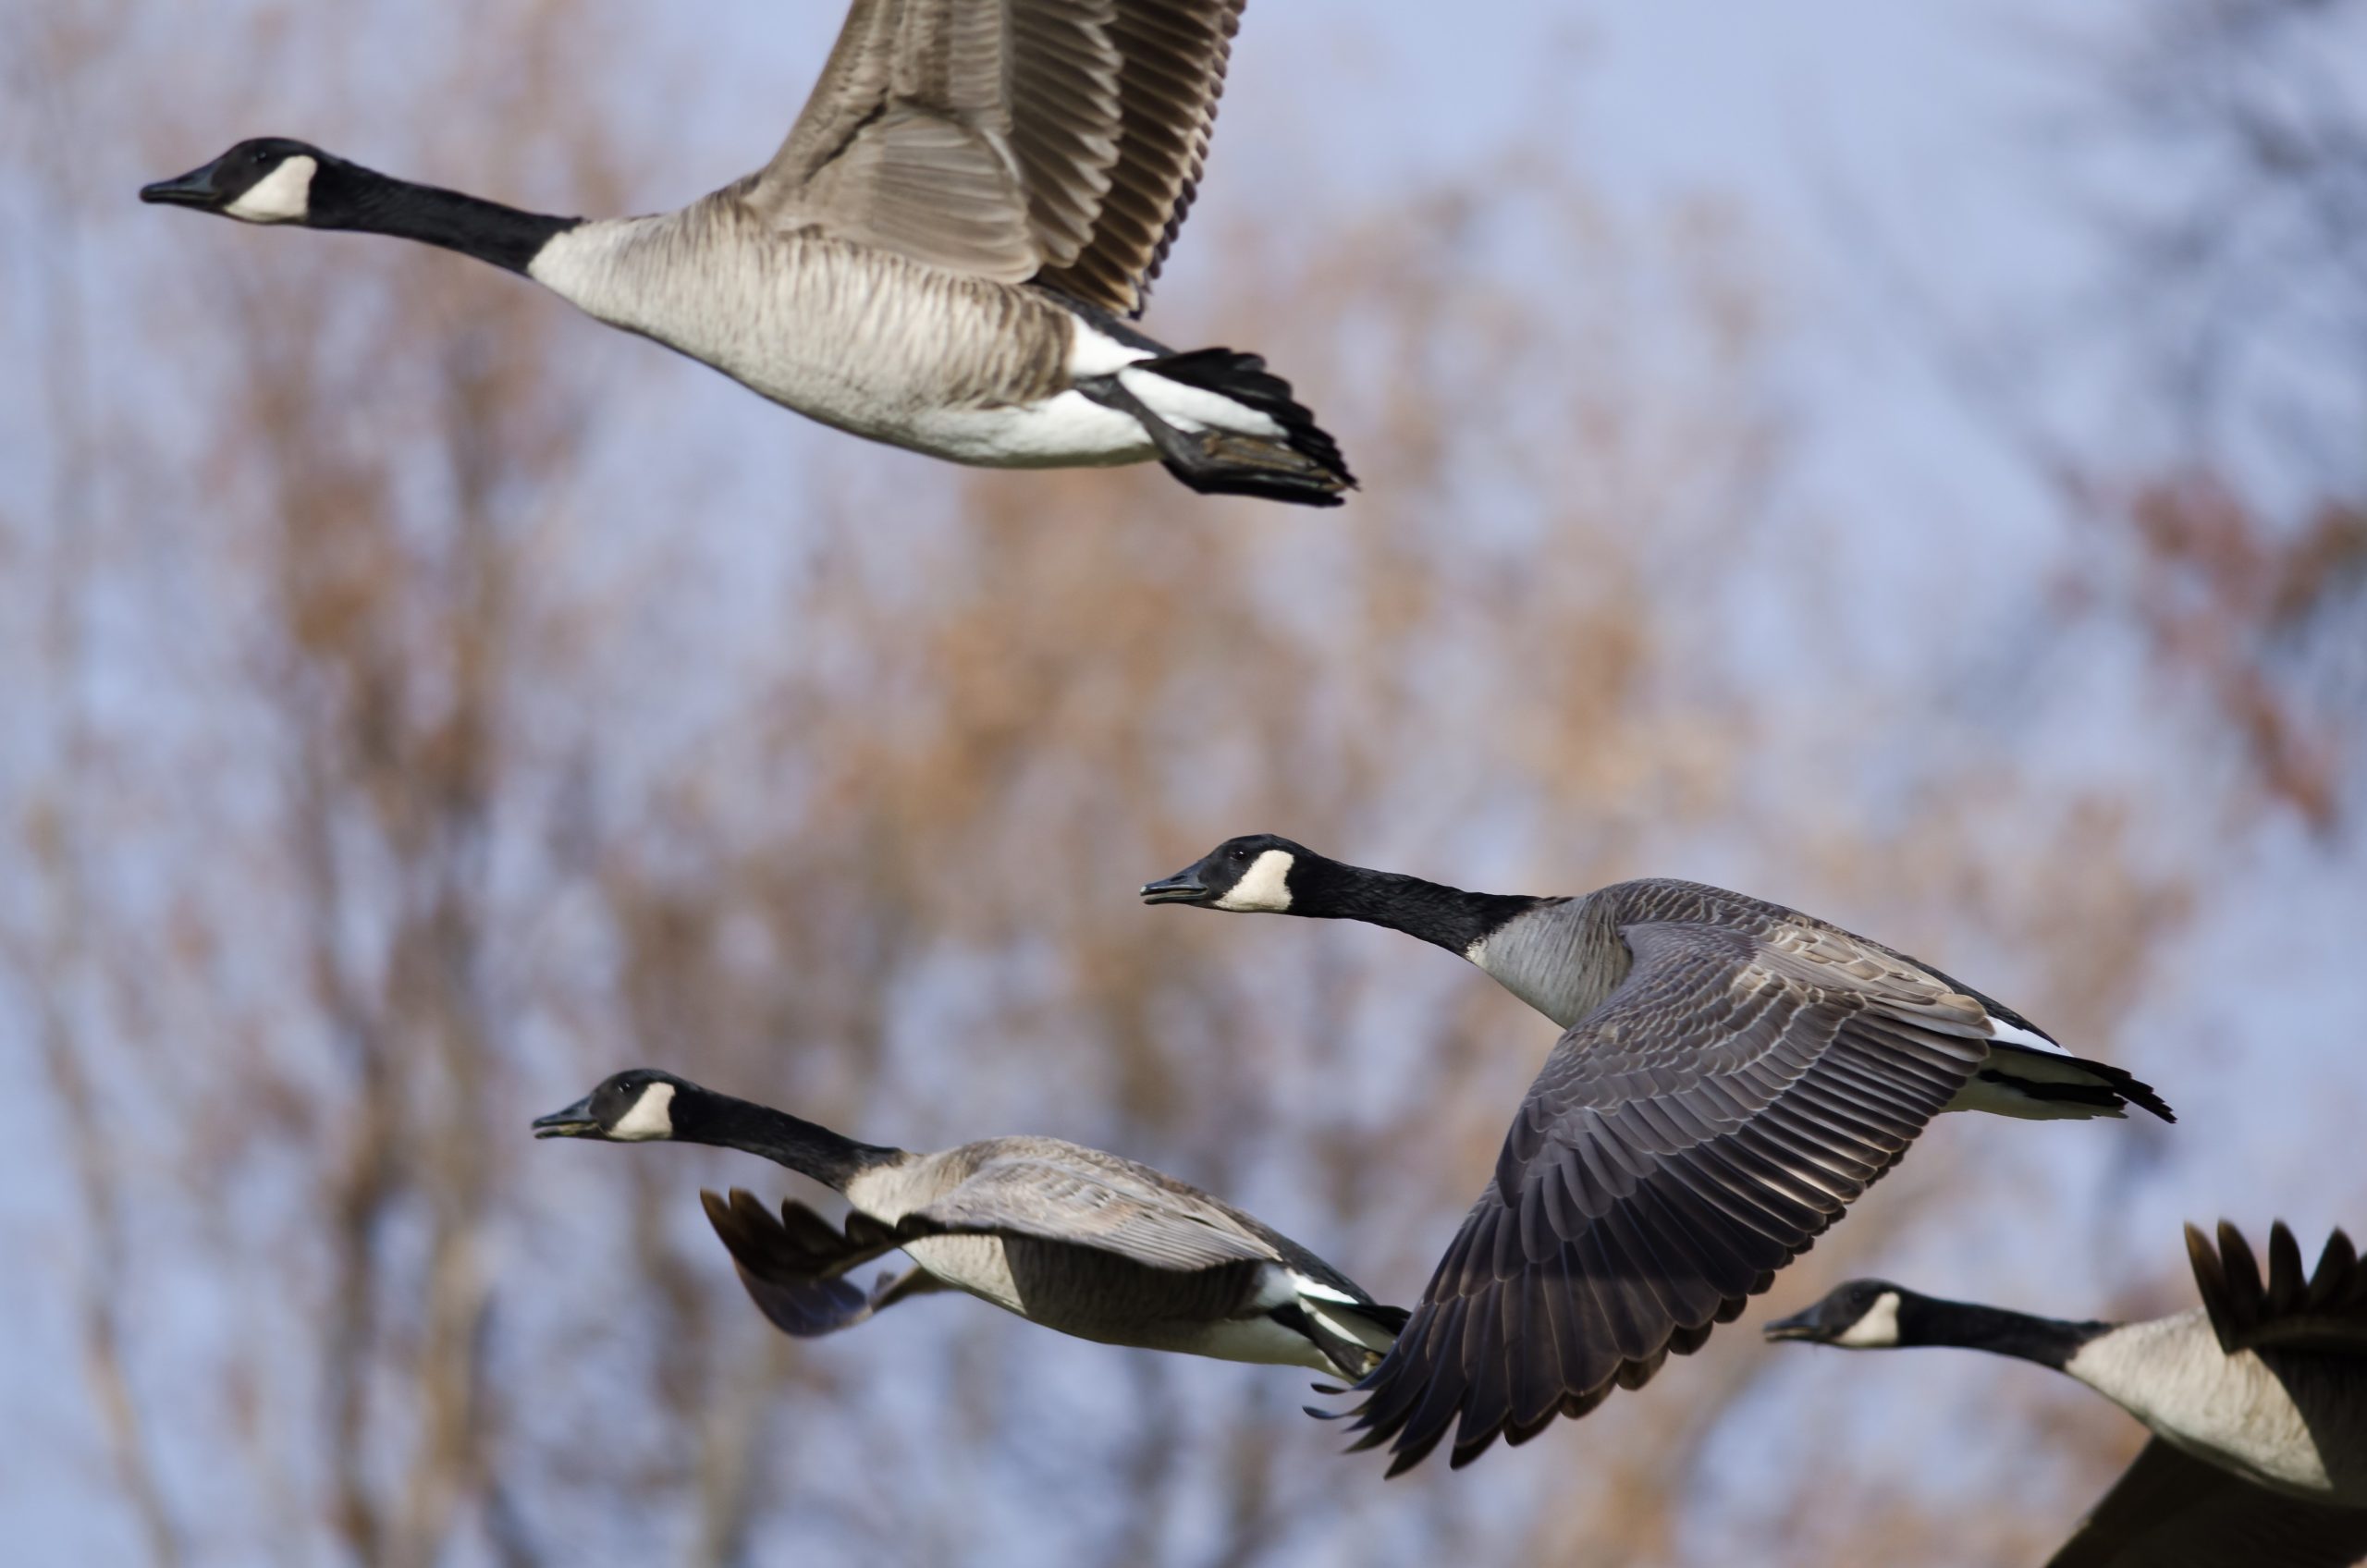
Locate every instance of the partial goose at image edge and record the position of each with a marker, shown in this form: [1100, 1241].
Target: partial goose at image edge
[2257, 1401]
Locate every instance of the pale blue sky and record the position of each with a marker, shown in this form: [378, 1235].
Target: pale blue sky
[1893, 167]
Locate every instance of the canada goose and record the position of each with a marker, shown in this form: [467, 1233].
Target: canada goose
[2257, 1401]
[1069, 1237]
[938, 257]
[1732, 1076]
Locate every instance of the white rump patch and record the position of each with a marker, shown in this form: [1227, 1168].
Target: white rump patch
[651, 1117]
[1264, 888]
[282, 196]
[1196, 408]
[1095, 352]
[1311, 1290]
[1878, 1329]
[2029, 1039]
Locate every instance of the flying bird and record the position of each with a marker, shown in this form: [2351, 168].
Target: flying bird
[1732, 1076]
[2257, 1401]
[946, 254]
[1086, 1243]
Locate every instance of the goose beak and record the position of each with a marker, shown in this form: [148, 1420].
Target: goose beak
[1799, 1326]
[194, 189]
[575, 1121]
[1183, 888]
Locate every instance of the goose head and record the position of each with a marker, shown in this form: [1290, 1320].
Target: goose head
[632, 1107]
[1861, 1315]
[1251, 872]
[266, 180]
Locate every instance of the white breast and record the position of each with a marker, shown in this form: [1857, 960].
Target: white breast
[2231, 1411]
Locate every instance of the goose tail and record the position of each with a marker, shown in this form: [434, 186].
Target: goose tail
[2049, 1086]
[1226, 425]
[1354, 1335]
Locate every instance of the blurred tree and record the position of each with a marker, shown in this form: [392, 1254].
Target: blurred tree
[426, 715]
[2237, 541]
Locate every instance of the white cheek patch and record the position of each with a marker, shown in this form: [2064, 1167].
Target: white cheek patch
[651, 1117]
[282, 196]
[1878, 1329]
[1265, 887]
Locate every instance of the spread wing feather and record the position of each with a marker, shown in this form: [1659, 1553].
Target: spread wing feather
[1009, 139]
[794, 1268]
[1685, 1140]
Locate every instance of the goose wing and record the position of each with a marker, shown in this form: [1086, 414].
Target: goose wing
[1689, 1137]
[1010, 139]
[2325, 1310]
[794, 1266]
[1051, 1201]
[2170, 1510]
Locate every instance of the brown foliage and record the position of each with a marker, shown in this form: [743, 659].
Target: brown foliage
[481, 737]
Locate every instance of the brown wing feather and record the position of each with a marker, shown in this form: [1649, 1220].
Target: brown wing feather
[850, 89]
[976, 135]
[1009, 139]
[1174, 53]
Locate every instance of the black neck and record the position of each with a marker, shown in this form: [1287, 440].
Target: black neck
[702, 1117]
[1327, 890]
[2050, 1342]
[348, 196]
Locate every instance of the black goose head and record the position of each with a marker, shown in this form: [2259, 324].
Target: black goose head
[635, 1106]
[1861, 1315]
[1254, 873]
[266, 180]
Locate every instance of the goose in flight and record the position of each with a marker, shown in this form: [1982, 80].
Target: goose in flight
[1071, 1238]
[946, 254]
[2257, 1401]
[1732, 1075]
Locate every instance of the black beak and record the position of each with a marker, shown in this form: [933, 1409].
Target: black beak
[1183, 888]
[1799, 1326]
[194, 189]
[575, 1121]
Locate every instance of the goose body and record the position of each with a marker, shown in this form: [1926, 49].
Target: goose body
[2257, 1401]
[870, 342]
[1732, 1076]
[1071, 1238]
[941, 256]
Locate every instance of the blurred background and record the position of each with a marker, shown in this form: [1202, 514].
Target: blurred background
[1905, 462]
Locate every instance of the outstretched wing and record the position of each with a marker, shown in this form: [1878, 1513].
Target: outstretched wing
[2169, 1510]
[2326, 1310]
[1048, 1201]
[1010, 139]
[1685, 1140]
[794, 1268]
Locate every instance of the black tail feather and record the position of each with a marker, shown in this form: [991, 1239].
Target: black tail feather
[1352, 1358]
[2131, 1087]
[1303, 466]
